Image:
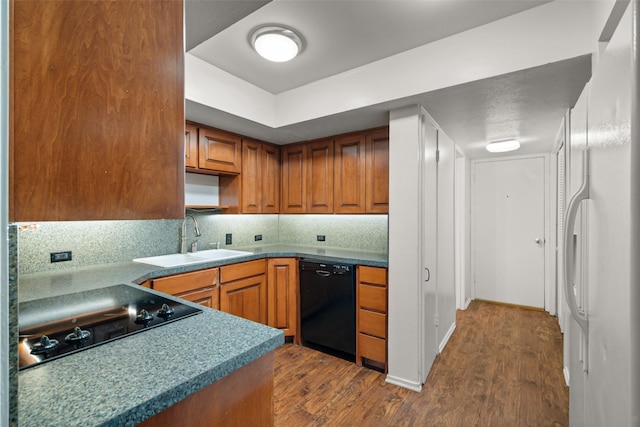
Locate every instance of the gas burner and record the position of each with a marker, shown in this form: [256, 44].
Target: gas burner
[77, 337]
[144, 317]
[44, 346]
[166, 311]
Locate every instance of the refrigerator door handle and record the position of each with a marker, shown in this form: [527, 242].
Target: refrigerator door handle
[569, 274]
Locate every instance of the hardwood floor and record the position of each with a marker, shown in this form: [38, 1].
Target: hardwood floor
[501, 367]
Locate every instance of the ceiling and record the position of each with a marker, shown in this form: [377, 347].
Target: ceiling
[341, 35]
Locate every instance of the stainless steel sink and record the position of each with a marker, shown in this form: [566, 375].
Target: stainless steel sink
[177, 260]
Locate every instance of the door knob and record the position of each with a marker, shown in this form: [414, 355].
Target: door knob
[538, 240]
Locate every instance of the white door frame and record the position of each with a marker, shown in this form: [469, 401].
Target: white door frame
[549, 285]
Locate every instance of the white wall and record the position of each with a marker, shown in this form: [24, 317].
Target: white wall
[463, 232]
[404, 246]
[446, 308]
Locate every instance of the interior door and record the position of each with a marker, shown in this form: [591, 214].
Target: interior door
[429, 232]
[509, 230]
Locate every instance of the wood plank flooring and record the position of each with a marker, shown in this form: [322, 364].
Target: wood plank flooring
[501, 367]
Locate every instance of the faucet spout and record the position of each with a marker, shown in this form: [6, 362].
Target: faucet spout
[183, 239]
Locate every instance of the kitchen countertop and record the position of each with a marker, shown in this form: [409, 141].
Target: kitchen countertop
[126, 381]
[130, 379]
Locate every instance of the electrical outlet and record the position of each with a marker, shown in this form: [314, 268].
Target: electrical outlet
[257, 237]
[321, 238]
[60, 256]
[228, 239]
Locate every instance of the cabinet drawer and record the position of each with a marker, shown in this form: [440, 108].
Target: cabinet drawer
[372, 323]
[372, 275]
[209, 297]
[372, 298]
[232, 272]
[186, 282]
[372, 348]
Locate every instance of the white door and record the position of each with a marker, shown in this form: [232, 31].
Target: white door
[509, 229]
[429, 233]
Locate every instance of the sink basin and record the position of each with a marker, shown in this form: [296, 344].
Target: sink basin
[216, 254]
[177, 260]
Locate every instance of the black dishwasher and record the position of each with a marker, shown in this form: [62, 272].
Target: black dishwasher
[328, 307]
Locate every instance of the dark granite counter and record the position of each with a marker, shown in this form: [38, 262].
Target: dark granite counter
[130, 379]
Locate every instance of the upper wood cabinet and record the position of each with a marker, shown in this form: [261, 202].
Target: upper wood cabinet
[190, 145]
[349, 174]
[307, 177]
[294, 179]
[219, 151]
[97, 110]
[260, 178]
[377, 172]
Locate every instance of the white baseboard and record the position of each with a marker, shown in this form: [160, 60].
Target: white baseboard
[565, 371]
[445, 340]
[466, 304]
[401, 382]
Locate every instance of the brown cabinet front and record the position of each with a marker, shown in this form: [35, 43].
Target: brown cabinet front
[294, 179]
[219, 151]
[282, 295]
[97, 111]
[377, 172]
[243, 290]
[197, 286]
[190, 146]
[260, 178]
[371, 314]
[349, 174]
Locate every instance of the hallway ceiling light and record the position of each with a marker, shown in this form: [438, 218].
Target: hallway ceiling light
[276, 43]
[503, 146]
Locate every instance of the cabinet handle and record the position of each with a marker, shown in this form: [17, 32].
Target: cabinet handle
[428, 274]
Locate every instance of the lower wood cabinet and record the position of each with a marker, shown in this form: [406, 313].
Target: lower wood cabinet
[282, 295]
[197, 286]
[243, 290]
[371, 316]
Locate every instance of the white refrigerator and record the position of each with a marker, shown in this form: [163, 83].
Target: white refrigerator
[600, 242]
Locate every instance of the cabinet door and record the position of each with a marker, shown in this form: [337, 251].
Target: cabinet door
[251, 176]
[245, 298]
[190, 146]
[349, 174]
[377, 170]
[185, 282]
[294, 179]
[270, 178]
[209, 297]
[97, 117]
[320, 177]
[219, 151]
[282, 295]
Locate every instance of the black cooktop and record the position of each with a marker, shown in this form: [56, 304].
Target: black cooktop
[55, 327]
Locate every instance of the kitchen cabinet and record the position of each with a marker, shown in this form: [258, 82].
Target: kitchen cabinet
[361, 172]
[219, 151]
[190, 145]
[198, 286]
[282, 295]
[243, 290]
[97, 110]
[371, 316]
[307, 177]
[260, 178]
[349, 174]
[294, 179]
[320, 176]
[377, 171]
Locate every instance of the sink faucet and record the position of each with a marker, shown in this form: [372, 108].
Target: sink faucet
[183, 242]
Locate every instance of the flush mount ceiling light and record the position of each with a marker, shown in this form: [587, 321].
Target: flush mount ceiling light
[276, 43]
[503, 146]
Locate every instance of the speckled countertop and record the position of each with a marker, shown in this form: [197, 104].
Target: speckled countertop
[126, 381]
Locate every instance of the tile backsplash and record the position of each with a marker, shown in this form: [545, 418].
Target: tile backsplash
[101, 242]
